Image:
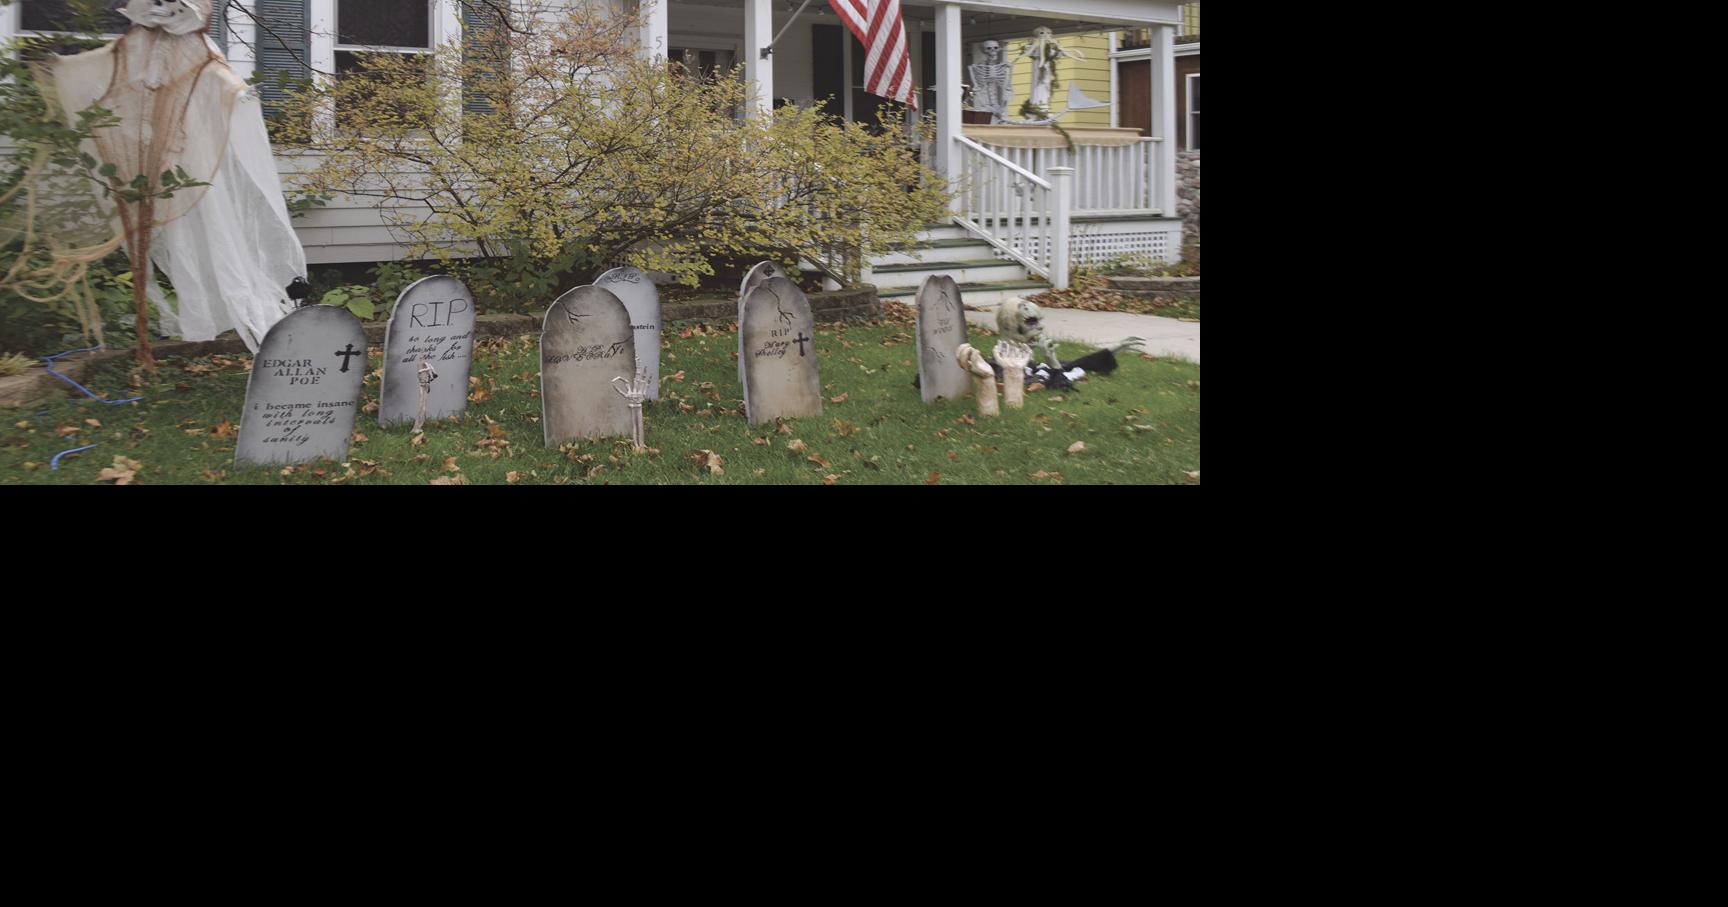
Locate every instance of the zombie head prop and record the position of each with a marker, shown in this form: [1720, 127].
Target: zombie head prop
[176, 17]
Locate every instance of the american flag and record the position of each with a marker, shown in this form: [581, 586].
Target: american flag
[887, 66]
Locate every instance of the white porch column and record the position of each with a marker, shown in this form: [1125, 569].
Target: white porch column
[1163, 66]
[654, 28]
[1062, 201]
[243, 40]
[758, 33]
[948, 119]
[321, 57]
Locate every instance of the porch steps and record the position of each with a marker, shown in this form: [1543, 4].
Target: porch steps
[982, 295]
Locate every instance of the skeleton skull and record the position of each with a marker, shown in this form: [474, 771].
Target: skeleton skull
[1043, 34]
[176, 17]
[992, 51]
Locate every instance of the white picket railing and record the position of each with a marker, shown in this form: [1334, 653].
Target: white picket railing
[1023, 215]
[1107, 178]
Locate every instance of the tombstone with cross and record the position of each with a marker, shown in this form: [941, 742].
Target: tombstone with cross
[781, 377]
[304, 389]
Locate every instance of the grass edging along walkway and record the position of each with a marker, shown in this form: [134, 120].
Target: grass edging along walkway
[1140, 425]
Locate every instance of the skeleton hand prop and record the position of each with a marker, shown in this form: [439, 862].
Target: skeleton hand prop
[983, 379]
[1137, 344]
[1023, 322]
[1013, 358]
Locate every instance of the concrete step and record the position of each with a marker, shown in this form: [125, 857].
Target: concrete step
[973, 294]
[936, 250]
[982, 270]
[938, 232]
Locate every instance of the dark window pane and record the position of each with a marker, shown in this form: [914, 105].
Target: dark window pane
[351, 65]
[58, 15]
[383, 23]
[1195, 138]
[1194, 100]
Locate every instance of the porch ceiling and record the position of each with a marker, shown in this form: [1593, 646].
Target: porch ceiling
[979, 21]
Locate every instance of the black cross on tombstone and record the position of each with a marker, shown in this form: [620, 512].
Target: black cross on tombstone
[800, 340]
[348, 354]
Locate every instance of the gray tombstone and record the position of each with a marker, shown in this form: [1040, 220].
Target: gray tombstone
[434, 320]
[585, 342]
[763, 272]
[781, 379]
[642, 301]
[941, 329]
[304, 389]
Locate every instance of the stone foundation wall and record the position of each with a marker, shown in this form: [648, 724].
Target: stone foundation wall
[1188, 195]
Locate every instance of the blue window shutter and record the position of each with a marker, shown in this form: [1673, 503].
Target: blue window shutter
[219, 25]
[283, 47]
[482, 39]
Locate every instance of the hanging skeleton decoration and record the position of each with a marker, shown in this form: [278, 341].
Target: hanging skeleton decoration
[218, 226]
[1044, 52]
[992, 82]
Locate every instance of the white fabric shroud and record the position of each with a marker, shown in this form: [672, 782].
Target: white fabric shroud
[228, 249]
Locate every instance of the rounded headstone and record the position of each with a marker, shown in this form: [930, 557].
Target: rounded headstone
[755, 277]
[781, 378]
[642, 301]
[941, 329]
[585, 341]
[433, 319]
[304, 389]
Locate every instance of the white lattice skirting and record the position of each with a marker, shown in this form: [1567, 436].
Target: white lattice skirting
[1096, 242]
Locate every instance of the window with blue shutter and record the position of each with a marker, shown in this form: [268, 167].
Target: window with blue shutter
[283, 49]
[484, 46]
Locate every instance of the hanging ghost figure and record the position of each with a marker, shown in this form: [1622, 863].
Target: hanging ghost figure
[227, 248]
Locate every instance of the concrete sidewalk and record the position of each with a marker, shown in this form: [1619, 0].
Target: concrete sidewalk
[1165, 337]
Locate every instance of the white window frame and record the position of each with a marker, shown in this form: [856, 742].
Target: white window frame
[444, 18]
[12, 24]
[1193, 115]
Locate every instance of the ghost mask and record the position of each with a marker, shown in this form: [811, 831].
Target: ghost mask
[176, 17]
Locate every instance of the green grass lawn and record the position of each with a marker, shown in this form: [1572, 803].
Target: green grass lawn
[1140, 425]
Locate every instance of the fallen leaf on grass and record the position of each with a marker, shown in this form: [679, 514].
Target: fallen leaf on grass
[1076, 447]
[709, 460]
[797, 446]
[844, 428]
[830, 479]
[1052, 476]
[92, 423]
[371, 407]
[1148, 357]
[783, 429]
[1195, 475]
[450, 465]
[122, 472]
[818, 460]
[967, 419]
[65, 430]
[953, 456]
[677, 376]
[212, 475]
[224, 429]
[933, 478]
[840, 399]
[760, 442]
[419, 441]
[449, 480]
[511, 477]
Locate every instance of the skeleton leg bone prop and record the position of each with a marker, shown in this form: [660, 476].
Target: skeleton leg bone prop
[983, 379]
[1013, 358]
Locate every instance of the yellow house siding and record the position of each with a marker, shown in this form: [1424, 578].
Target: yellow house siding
[1091, 74]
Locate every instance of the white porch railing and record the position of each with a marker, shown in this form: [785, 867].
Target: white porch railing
[1020, 213]
[1117, 178]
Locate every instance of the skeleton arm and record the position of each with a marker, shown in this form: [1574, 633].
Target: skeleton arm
[1013, 358]
[983, 379]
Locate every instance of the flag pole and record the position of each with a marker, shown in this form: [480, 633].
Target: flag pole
[770, 48]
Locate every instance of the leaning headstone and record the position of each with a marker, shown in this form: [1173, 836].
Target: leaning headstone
[755, 277]
[941, 328]
[780, 374]
[304, 389]
[585, 342]
[642, 301]
[433, 320]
